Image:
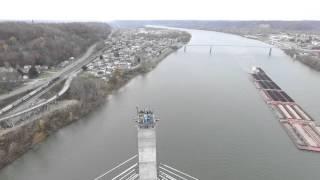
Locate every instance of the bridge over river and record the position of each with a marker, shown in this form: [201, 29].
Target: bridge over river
[211, 47]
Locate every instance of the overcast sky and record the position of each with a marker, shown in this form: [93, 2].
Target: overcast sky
[106, 10]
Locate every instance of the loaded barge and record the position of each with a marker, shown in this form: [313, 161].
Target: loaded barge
[299, 125]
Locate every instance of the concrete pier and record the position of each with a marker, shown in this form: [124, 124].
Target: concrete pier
[147, 154]
[147, 150]
[147, 167]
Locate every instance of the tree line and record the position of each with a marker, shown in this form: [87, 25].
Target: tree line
[23, 43]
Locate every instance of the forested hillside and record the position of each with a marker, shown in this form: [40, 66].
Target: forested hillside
[212, 25]
[24, 43]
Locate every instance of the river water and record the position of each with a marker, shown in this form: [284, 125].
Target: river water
[214, 124]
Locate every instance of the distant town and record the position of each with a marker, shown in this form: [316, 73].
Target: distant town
[127, 49]
[124, 50]
[301, 45]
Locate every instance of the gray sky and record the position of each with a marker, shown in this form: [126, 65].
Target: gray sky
[106, 10]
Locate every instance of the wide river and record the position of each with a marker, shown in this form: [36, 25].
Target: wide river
[214, 124]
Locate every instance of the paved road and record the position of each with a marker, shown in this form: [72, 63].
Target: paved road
[20, 90]
[63, 74]
[84, 59]
[62, 91]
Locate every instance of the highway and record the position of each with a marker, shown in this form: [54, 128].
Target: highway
[84, 59]
[64, 74]
[66, 70]
[20, 90]
[49, 100]
[77, 63]
[54, 80]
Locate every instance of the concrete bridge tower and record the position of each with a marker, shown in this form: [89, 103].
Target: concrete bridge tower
[147, 167]
[147, 151]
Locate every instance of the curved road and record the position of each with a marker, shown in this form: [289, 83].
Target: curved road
[84, 59]
[66, 70]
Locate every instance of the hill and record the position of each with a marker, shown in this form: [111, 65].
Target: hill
[23, 43]
[215, 24]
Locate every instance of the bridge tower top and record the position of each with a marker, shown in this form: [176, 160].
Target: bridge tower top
[146, 118]
[147, 167]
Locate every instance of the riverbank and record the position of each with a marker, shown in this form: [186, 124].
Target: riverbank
[120, 78]
[309, 60]
[86, 94]
[14, 142]
[307, 57]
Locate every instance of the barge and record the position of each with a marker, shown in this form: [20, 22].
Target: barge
[299, 125]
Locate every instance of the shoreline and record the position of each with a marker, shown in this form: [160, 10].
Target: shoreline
[17, 141]
[307, 60]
